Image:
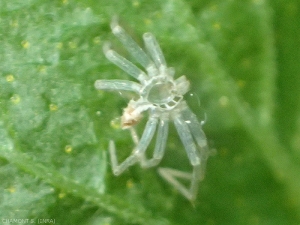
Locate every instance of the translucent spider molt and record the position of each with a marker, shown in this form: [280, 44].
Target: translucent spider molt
[162, 96]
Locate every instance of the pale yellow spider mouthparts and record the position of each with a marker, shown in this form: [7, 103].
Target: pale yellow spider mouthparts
[162, 96]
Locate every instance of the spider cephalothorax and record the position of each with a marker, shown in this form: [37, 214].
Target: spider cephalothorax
[158, 94]
[162, 96]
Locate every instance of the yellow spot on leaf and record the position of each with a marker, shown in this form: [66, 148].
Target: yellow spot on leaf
[291, 9]
[11, 189]
[65, 2]
[147, 21]
[59, 45]
[246, 63]
[211, 221]
[10, 78]
[25, 44]
[214, 7]
[239, 201]
[15, 99]
[100, 93]
[72, 44]
[42, 69]
[53, 107]
[116, 123]
[217, 26]
[223, 152]
[61, 195]
[129, 184]
[255, 220]
[224, 101]
[241, 83]
[68, 149]
[238, 160]
[158, 14]
[136, 4]
[97, 40]
[14, 23]
[258, 2]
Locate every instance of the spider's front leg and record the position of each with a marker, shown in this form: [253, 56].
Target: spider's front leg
[139, 150]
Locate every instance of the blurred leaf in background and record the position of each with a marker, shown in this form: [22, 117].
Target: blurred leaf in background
[242, 58]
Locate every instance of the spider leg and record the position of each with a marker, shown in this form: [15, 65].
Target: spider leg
[183, 85]
[170, 175]
[124, 64]
[118, 169]
[138, 151]
[200, 137]
[156, 54]
[133, 48]
[187, 140]
[134, 136]
[160, 145]
[118, 85]
[154, 50]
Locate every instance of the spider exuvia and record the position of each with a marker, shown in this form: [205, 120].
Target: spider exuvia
[162, 96]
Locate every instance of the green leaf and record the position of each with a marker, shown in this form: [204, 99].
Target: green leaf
[242, 60]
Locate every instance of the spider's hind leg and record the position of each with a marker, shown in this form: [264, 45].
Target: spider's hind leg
[172, 175]
[196, 158]
[118, 169]
[139, 150]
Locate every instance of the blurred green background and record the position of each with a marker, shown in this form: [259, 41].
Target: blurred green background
[242, 58]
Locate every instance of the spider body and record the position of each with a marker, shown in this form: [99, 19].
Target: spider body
[159, 94]
[162, 96]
